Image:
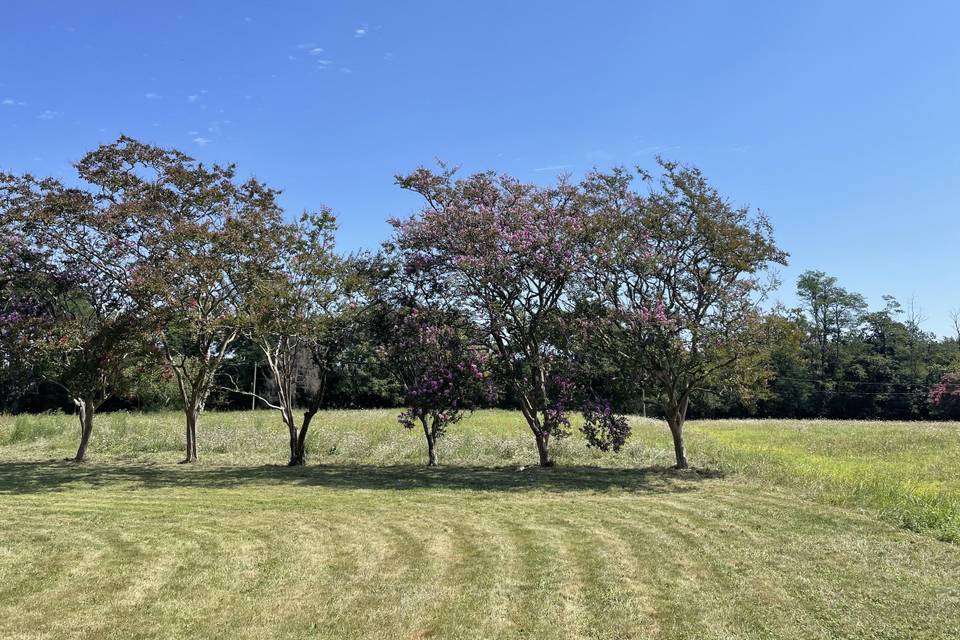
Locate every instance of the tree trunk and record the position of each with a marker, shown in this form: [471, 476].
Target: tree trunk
[85, 410]
[298, 444]
[295, 458]
[192, 415]
[298, 449]
[431, 443]
[543, 449]
[542, 437]
[676, 430]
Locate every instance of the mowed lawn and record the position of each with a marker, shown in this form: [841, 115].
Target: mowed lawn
[786, 530]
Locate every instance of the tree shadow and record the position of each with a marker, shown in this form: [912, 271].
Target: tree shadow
[41, 477]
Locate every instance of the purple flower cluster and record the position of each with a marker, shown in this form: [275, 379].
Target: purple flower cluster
[656, 315]
[604, 429]
[556, 419]
[443, 377]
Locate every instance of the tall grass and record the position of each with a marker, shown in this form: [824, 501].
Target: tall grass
[907, 473]
[904, 472]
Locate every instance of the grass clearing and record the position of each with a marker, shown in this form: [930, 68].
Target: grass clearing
[907, 473]
[772, 543]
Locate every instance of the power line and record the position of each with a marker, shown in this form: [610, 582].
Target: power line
[860, 382]
[917, 389]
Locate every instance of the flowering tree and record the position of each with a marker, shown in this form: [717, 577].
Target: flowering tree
[306, 303]
[180, 243]
[945, 395]
[507, 252]
[22, 314]
[62, 320]
[678, 285]
[440, 367]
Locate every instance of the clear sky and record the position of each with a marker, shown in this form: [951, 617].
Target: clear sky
[839, 119]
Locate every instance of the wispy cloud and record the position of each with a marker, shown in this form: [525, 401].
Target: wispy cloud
[48, 115]
[201, 141]
[316, 51]
[360, 32]
[324, 63]
[9, 102]
[346, 70]
[553, 167]
[193, 98]
[388, 56]
[151, 96]
[247, 19]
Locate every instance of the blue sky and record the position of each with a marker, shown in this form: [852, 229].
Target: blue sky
[839, 119]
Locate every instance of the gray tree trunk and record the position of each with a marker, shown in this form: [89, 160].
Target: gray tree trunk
[85, 411]
[298, 441]
[192, 416]
[676, 430]
[431, 443]
[543, 449]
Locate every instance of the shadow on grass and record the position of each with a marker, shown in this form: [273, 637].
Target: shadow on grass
[39, 477]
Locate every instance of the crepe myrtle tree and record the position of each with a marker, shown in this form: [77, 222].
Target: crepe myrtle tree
[306, 304]
[429, 346]
[442, 370]
[678, 286]
[62, 320]
[443, 376]
[508, 253]
[184, 247]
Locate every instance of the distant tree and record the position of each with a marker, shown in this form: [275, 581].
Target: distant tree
[680, 279]
[508, 253]
[955, 323]
[790, 384]
[834, 313]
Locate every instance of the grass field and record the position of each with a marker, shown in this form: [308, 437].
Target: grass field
[785, 530]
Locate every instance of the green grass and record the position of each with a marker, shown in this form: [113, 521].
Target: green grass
[787, 529]
[906, 473]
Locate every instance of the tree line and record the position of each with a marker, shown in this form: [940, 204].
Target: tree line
[160, 279]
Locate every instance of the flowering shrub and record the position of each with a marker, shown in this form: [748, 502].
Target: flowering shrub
[945, 395]
[443, 375]
[604, 429]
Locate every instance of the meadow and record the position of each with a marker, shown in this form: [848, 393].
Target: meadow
[811, 529]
